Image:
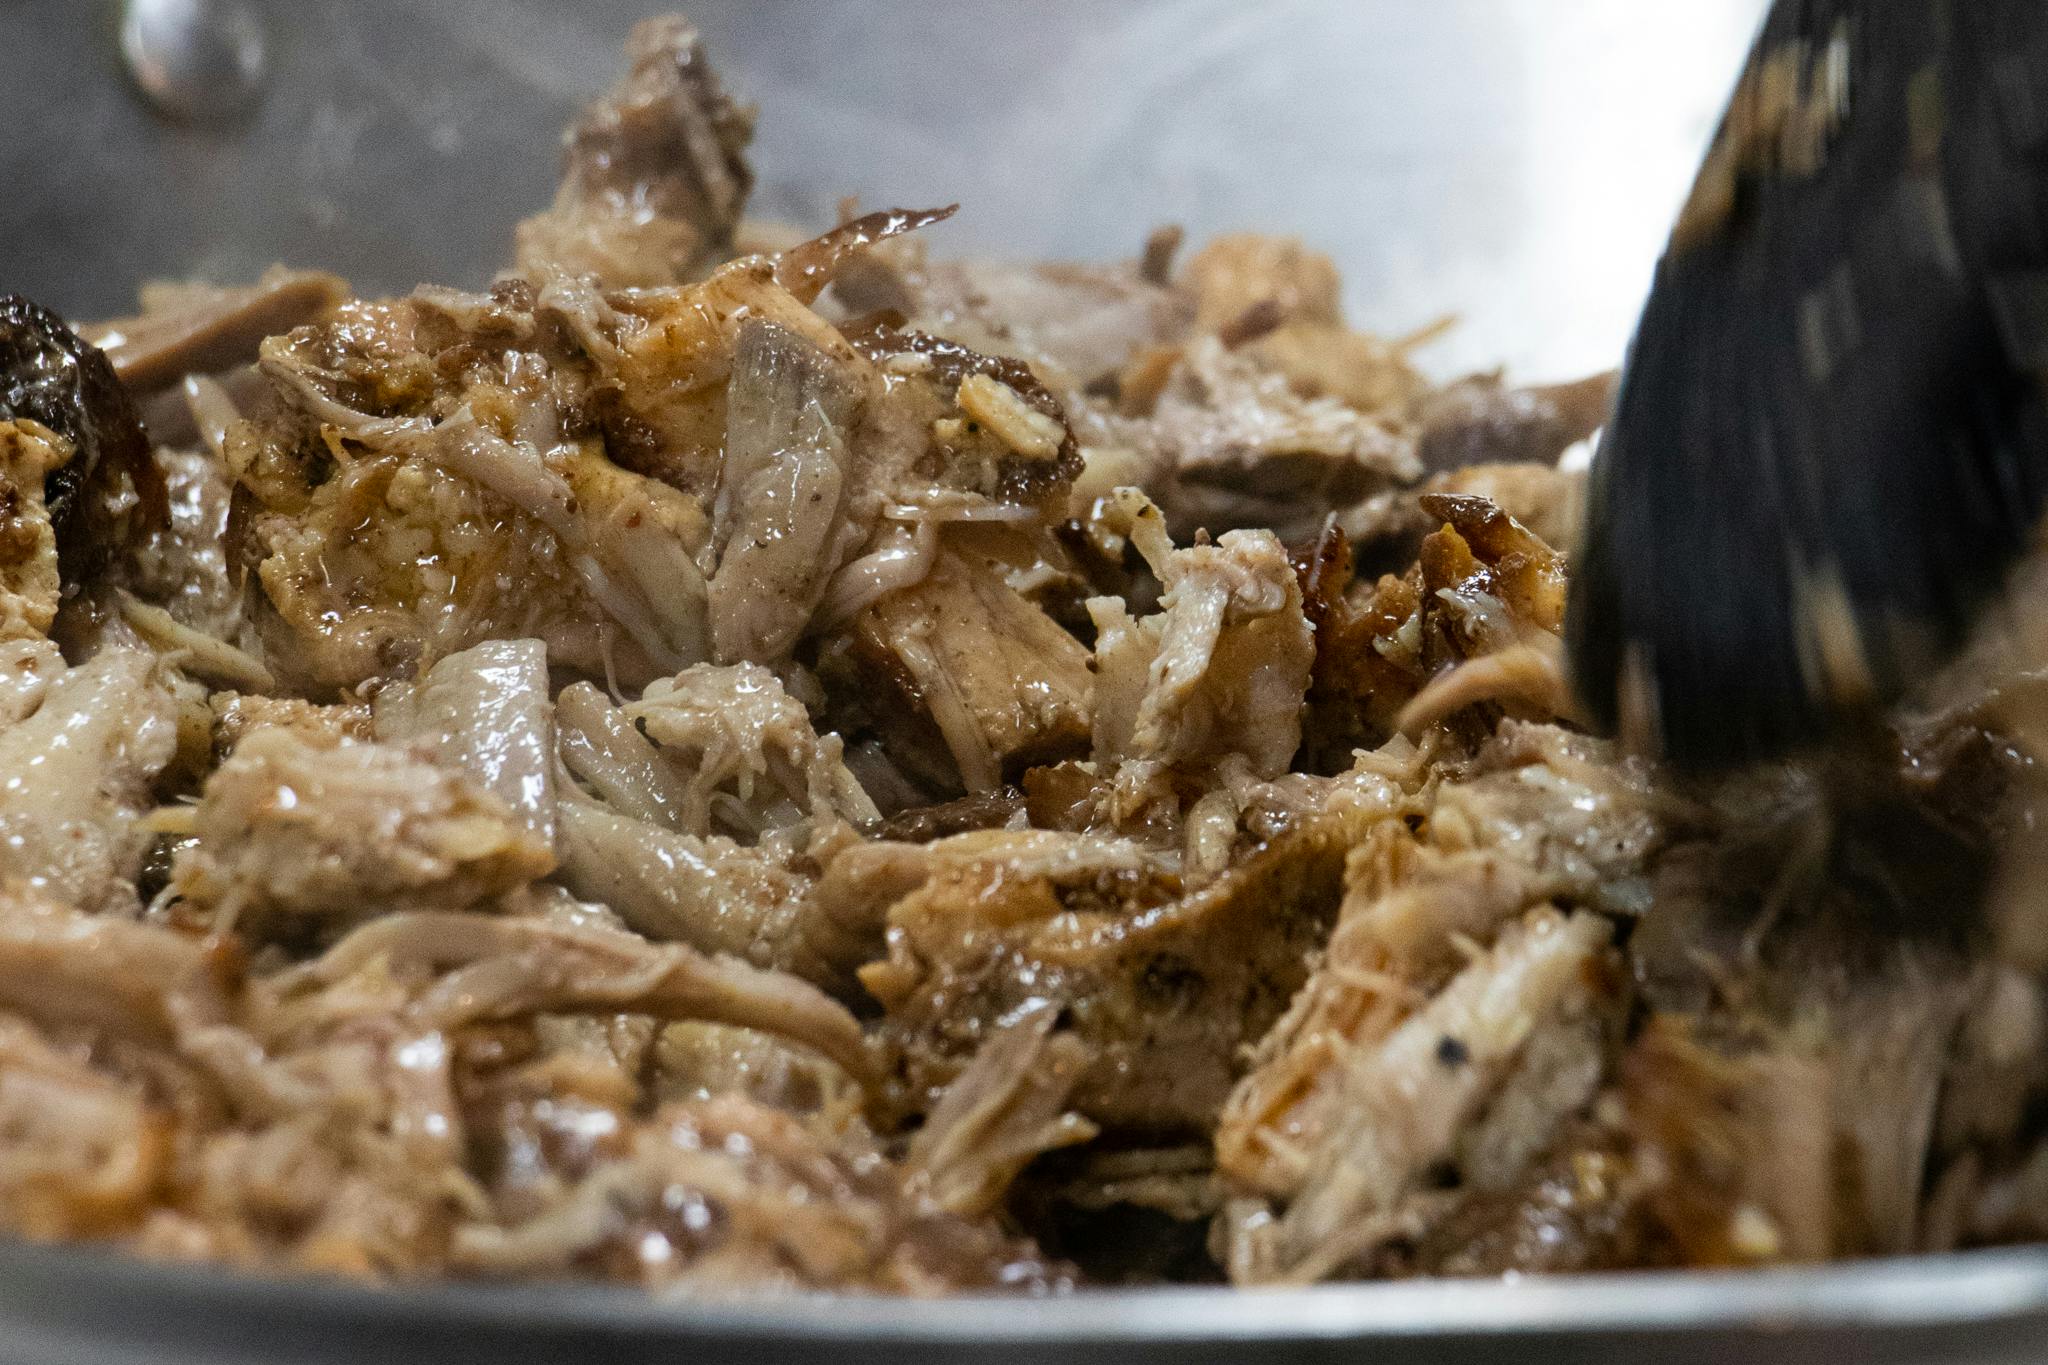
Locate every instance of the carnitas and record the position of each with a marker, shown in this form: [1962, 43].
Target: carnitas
[841, 769]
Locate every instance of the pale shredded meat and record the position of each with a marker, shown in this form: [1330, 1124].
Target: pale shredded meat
[346, 832]
[237, 715]
[655, 174]
[828, 768]
[1001, 1113]
[79, 768]
[484, 714]
[28, 545]
[1220, 670]
[968, 682]
[1229, 443]
[746, 753]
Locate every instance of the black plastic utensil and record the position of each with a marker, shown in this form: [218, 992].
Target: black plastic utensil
[1830, 440]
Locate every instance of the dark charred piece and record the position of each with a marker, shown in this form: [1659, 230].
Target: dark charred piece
[49, 375]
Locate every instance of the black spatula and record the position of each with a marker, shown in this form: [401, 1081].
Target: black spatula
[1831, 438]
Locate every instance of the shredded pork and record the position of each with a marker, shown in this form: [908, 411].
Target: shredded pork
[848, 770]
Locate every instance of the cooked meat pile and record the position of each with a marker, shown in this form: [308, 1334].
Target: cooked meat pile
[834, 769]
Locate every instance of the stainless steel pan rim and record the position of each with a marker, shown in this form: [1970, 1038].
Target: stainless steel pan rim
[1955, 1290]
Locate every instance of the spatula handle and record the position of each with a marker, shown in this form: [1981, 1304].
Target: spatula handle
[1830, 441]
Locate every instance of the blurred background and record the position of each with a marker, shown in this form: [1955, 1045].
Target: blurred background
[1514, 162]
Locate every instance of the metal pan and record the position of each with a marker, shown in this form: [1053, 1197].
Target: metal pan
[1515, 162]
[67, 1307]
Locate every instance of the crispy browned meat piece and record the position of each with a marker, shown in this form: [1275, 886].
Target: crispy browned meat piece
[1388, 528]
[1165, 986]
[1482, 585]
[1012, 438]
[922, 824]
